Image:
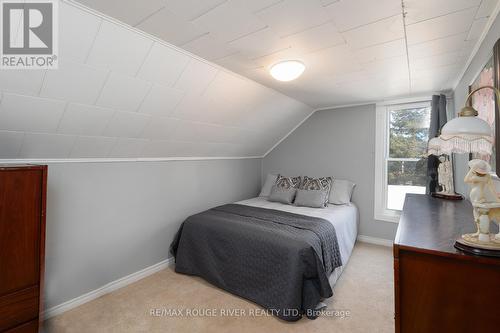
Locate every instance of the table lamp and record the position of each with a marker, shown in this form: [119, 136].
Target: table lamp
[469, 134]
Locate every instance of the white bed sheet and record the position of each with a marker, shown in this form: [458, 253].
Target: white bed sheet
[343, 217]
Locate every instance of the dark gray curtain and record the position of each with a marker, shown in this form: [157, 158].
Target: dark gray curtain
[438, 119]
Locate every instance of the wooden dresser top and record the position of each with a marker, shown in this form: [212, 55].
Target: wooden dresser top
[22, 166]
[432, 225]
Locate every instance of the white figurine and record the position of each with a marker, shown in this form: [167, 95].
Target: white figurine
[479, 178]
[484, 199]
[445, 180]
[445, 175]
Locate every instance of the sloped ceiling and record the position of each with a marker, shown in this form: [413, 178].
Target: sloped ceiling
[121, 94]
[354, 50]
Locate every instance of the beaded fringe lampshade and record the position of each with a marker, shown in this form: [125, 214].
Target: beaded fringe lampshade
[481, 144]
[465, 134]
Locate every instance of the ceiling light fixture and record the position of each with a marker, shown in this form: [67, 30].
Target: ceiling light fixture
[287, 70]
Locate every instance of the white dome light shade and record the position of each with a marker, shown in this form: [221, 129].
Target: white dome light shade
[464, 135]
[466, 126]
[287, 70]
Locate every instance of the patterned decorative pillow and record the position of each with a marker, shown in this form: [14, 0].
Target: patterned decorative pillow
[285, 183]
[323, 183]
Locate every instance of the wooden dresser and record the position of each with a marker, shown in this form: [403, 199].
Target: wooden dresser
[22, 245]
[437, 287]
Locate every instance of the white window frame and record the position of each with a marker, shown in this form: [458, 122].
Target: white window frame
[381, 155]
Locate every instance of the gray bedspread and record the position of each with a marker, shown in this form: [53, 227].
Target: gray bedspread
[276, 259]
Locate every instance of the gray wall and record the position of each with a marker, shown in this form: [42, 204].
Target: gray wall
[108, 220]
[462, 89]
[340, 143]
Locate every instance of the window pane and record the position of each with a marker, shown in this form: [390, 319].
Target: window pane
[404, 177]
[409, 132]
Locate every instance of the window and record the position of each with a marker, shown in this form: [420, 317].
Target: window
[401, 158]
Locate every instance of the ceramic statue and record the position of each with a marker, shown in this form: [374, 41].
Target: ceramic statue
[485, 203]
[445, 178]
[445, 175]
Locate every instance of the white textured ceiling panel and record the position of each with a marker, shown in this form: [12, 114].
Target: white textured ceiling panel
[75, 82]
[92, 147]
[196, 77]
[118, 49]
[249, 36]
[161, 100]
[421, 10]
[342, 12]
[44, 145]
[123, 92]
[120, 93]
[82, 119]
[169, 26]
[229, 21]
[127, 124]
[75, 41]
[128, 148]
[22, 82]
[27, 113]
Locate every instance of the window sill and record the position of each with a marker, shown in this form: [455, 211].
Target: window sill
[388, 216]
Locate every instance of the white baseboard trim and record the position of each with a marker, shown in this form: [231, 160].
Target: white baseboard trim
[119, 160]
[375, 240]
[106, 289]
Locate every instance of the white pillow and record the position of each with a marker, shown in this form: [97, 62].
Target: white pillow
[270, 182]
[341, 192]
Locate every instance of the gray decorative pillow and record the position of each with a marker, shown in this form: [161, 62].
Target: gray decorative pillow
[323, 183]
[311, 198]
[266, 189]
[283, 195]
[283, 182]
[341, 192]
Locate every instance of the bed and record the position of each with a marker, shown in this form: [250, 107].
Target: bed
[282, 257]
[345, 219]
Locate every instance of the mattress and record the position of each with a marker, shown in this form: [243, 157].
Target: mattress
[343, 217]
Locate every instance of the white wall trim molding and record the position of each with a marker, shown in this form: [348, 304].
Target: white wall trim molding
[288, 134]
[416, 99]
[107, 288]
[476, 48]
[325, 108]
[395, 100]
[120, 160]
[375, 240]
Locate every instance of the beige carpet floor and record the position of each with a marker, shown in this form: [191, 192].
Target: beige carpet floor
[363, 298]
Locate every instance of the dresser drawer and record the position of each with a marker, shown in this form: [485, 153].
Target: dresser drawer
[20, 229]
[19, 307]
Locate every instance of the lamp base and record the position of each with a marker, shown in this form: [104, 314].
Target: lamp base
[469, 244]
[447, 196]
